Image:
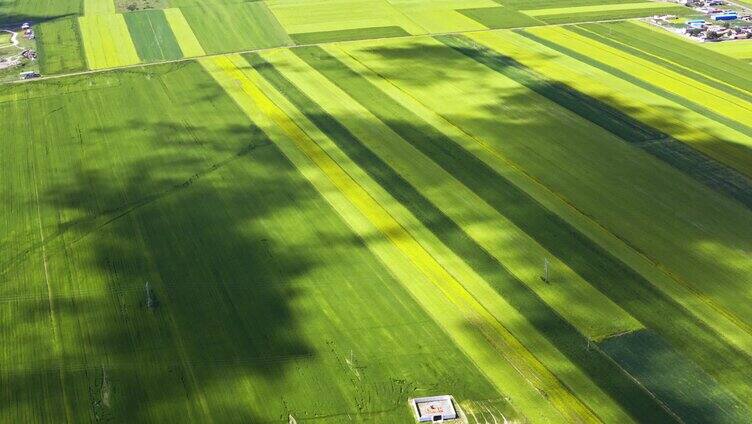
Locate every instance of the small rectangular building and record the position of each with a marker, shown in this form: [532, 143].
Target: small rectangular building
[434, 409]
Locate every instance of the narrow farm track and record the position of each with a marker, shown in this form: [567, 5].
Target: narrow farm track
[185, 59]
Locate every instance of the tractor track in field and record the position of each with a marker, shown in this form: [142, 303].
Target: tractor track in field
[193, 58]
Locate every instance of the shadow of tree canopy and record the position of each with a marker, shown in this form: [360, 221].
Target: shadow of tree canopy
[192, 212]
[154, 175]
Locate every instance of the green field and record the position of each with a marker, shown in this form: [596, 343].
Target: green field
[60, 46]
[152, 36]
[215, 27]
[294, 211]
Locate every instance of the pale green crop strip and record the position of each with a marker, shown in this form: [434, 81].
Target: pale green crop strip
[442, 15]
[189, 44]
[107, 42]
[300, 17]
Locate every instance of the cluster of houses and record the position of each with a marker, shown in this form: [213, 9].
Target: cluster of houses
[713, 32]
[28, 33]
[712, 9]
[719, 24]
[29, 54]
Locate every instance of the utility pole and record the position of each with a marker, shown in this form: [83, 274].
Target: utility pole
[151, 301]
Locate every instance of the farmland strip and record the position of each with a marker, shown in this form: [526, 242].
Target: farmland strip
[612, 15]
[215, 26]
[184, 35]
[107, 42]
[597, 8]
[60, 48]
[499, 17]
[152, 36]
[99, 7]
[633, 292]
[697, 165]
[562, 334]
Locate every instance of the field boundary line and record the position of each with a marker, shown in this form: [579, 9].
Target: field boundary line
[489, 327]
[190, 47]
